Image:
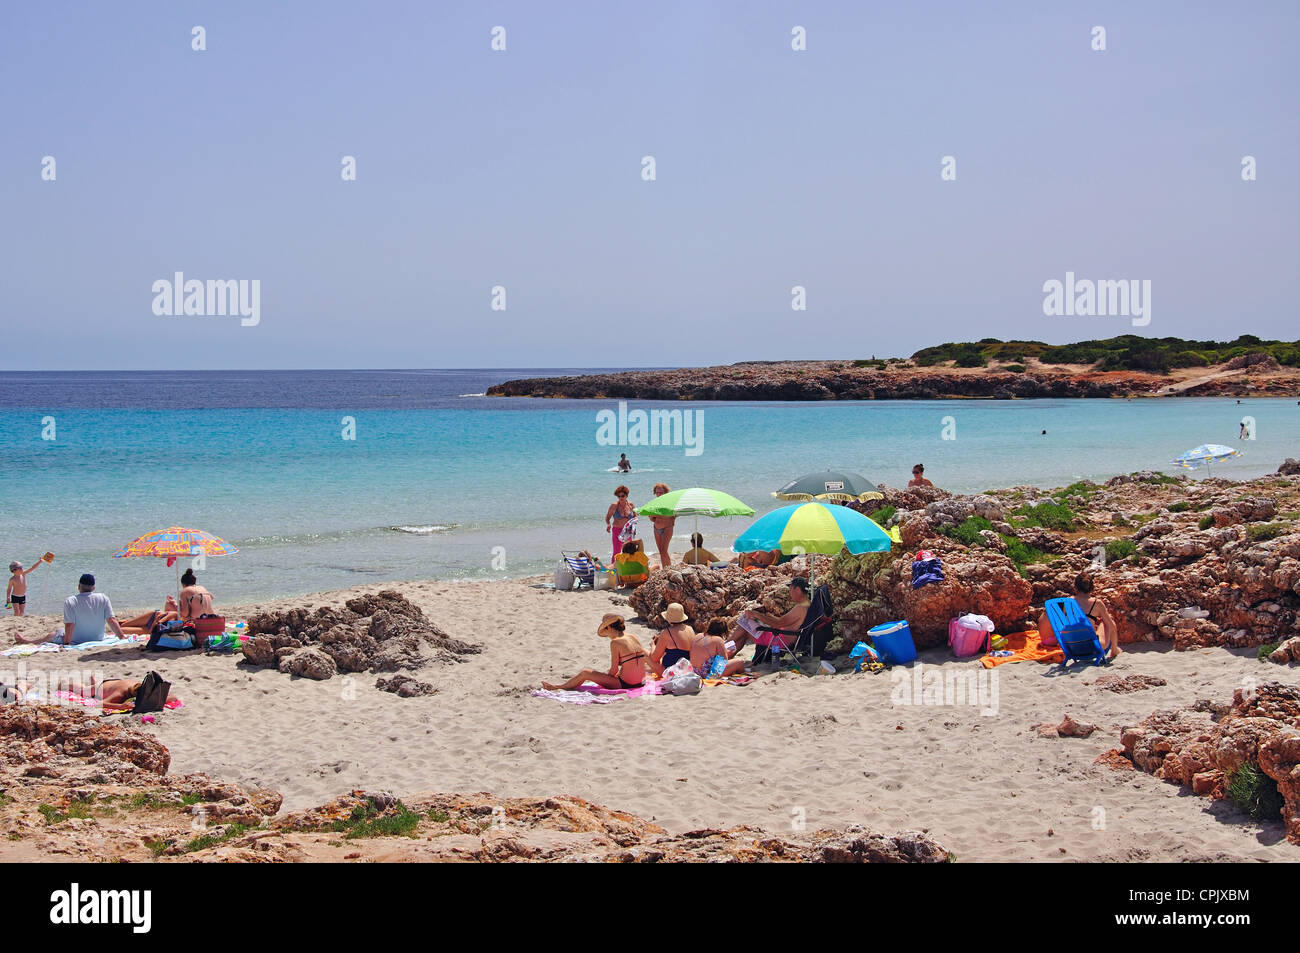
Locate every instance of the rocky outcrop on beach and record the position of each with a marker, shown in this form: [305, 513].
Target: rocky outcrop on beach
[705, 593]
[1197, 562]
[1248, 753]
[382, 632]
[79, 788]
[846, 380]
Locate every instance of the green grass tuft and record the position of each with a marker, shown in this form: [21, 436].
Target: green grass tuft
[968, 532]
[1255, 793]
[1260, 532]
[1266, 650]
[1206, 522]
[1118, 549]
[1055, 516]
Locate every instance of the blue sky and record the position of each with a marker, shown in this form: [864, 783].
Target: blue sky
[522, 169]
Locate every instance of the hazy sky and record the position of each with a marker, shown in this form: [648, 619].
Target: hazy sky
[523, 169]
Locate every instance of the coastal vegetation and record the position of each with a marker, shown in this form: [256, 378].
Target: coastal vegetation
[1126, 352]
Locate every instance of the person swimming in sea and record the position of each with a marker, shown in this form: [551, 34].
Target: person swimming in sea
[624, 464]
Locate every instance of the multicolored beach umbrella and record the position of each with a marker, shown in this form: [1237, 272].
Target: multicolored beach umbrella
[830, 485]
[173, 543]
[696, 501]
[1205, 455]
[814, 528]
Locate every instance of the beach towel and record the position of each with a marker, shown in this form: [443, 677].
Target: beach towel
[1024, 647]
[22, 651]
[74, 699]
[595, 695]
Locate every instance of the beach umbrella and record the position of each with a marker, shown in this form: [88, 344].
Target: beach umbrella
[696, 501]
[1205, 455]
[814, 528]
[842, 485]
[174, 542]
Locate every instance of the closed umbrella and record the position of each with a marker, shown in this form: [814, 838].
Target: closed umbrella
[841, 485]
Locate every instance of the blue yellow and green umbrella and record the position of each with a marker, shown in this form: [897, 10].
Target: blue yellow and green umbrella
[1205, 455]
[813, 528]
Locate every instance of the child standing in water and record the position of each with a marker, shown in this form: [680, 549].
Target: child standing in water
[16, 591]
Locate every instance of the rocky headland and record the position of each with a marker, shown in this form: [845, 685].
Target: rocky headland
[849, 380]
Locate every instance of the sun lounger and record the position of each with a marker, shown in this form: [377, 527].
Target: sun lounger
[1074, 632]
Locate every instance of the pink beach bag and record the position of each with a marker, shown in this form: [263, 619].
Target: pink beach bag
[967, 637]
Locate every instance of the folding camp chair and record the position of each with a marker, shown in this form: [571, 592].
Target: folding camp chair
[793, 641]
[581, 568]
[1074, 632]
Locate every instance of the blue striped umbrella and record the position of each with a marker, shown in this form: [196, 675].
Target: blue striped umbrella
[1205, 455]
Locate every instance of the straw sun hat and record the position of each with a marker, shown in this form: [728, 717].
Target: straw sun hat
[674, 613]
[608, 621]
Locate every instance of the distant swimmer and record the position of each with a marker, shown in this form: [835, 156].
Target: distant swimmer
[918, 476]
[624, 464]
[1044, 433]
[1242, 434]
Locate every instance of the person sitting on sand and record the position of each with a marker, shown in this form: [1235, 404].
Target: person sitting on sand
[627, 659]
[918, 476]
[85, 616]
[663, 529]
[631, 566]
[1095, 610]
[698, 555]
[673, 643]
[710, 646]
[195, 601]
[749, 621]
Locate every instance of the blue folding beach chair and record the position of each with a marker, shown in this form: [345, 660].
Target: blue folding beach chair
[1074, 632]
[581, 568]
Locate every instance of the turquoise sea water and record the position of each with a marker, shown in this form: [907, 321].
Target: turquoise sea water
[442, 485]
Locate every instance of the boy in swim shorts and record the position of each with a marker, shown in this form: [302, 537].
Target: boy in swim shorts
[16, 591]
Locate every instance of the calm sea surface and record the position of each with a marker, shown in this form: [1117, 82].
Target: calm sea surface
[440, 482]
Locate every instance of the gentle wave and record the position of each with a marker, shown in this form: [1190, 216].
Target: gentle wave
[424, 530]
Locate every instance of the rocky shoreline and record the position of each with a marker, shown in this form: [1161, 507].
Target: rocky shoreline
[846, 380]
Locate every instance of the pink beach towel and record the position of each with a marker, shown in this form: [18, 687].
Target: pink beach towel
[595, 695]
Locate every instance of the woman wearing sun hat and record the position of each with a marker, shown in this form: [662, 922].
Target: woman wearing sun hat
[627, 659]
[673, 643]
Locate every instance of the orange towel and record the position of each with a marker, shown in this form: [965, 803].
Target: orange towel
[1025, 647]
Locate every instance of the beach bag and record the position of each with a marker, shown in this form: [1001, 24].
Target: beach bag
[564, 577]
[969, 635]
[688, 684]
[603, 579]
[208, 627]
[152, 694]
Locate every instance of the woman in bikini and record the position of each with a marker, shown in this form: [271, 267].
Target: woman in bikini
[627, 660]
[1095, 610]
[673, 643]
[616, 517]
[663, 529]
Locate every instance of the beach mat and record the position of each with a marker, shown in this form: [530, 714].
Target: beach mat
[1025, 647]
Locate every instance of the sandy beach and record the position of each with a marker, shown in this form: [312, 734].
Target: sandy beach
[833, 750]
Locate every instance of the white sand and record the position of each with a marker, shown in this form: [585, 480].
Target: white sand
[835, 748]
